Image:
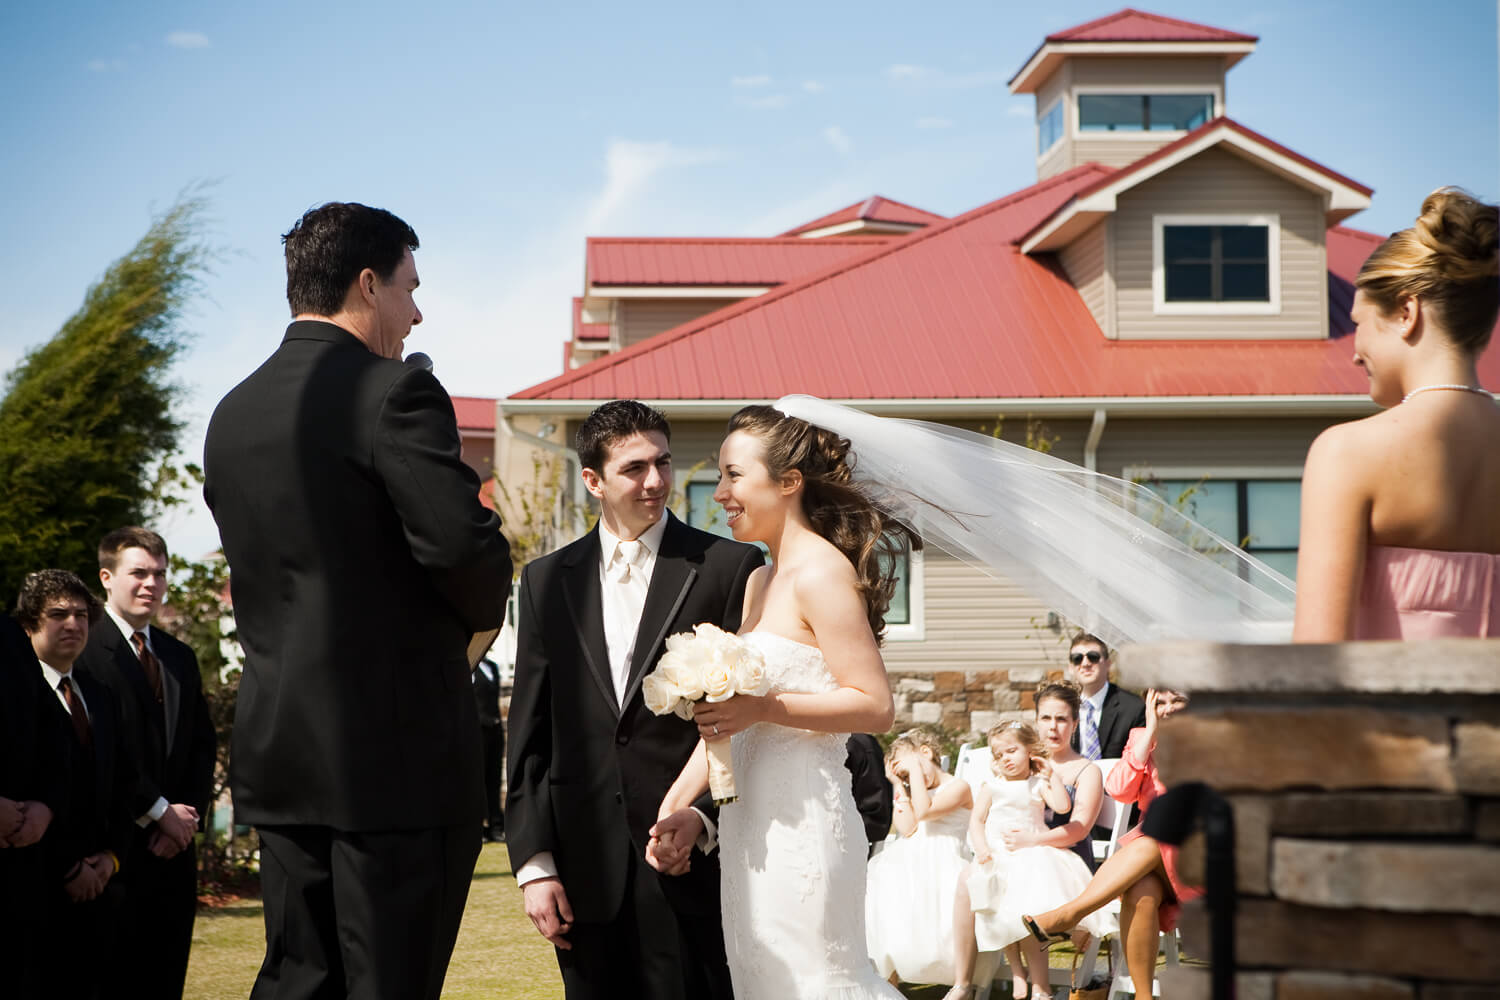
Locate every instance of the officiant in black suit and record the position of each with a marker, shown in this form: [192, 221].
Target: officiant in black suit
[155, 678]
[588, 763]
[361, 562]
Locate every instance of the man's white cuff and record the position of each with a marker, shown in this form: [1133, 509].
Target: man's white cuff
[539, 865]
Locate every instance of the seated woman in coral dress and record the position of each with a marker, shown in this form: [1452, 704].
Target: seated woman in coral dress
[1401, 511]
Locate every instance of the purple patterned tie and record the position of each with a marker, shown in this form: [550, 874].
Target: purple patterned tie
[1090, 732]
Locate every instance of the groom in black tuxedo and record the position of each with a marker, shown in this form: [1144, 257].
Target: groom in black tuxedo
[588, 764]
[362, 561]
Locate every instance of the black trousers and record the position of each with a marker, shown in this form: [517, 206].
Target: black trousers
[493, 741]
[648, 952]
[156, 933]
[78, 943]
[368, 915]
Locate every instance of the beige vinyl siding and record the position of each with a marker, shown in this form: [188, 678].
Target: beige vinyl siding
[637, 319]
[1264, 443]
[1086, 262]
[1216, 182]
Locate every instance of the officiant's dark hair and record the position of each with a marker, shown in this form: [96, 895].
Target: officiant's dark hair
[838, 507]
[330, 245]
[614, 421]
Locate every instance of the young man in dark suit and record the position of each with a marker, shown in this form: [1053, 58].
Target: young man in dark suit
[492, 742]
[1107, 712]
[362, 563]
[588, 764]
[155, 678]
[78, 921]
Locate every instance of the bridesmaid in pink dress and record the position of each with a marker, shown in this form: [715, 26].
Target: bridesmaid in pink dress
[1401, 511]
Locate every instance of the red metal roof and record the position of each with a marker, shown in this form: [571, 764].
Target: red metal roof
[1130, 25]
[872, 209]
[956, 311]
[751, 262]
[586, 331]
[474, 413]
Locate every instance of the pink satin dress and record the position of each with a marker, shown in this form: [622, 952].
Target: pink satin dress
[1427, 594]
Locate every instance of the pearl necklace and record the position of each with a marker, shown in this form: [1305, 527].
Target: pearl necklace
[1460, 388]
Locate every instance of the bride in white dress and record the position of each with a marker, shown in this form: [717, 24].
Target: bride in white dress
[792, 848]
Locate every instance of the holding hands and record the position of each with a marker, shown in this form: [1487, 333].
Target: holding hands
[670, 848]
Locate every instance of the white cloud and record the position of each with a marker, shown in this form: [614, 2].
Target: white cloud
[106, 65]
[760, 80]
[1018, 111]
[629, 167]
[925, 76]
[934, 123]
[773, 102]
[838, 139]
[188, 40]
[812, 86]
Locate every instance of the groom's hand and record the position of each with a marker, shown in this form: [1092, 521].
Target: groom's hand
[547, 906]
[672, 838]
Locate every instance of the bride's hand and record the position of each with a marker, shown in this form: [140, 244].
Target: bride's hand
[717, 719]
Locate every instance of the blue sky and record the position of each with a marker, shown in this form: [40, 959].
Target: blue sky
[505, 133]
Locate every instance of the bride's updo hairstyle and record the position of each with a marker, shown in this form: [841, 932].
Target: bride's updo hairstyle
[1449, 260]
[838, 508]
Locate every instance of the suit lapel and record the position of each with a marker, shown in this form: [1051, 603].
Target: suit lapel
[586, 605]
[671, 580]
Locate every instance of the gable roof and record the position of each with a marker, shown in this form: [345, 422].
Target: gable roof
[1344, 196]
[1130, 32]
[683, 262]
[872, 209]
[587, 331]
[475, 413]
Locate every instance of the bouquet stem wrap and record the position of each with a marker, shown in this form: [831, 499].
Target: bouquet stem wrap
[720, 771]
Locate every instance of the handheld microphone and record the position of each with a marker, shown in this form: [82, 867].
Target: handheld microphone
[418, 359]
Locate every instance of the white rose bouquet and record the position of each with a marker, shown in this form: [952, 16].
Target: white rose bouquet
[706, 663]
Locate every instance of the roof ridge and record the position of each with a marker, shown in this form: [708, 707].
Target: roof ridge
[1127, 12]
[760, 240]
[669, 337]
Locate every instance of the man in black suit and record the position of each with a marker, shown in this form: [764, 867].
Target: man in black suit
[589, 764]
[78, 918]
[361, 563]
[156, 681]
[1107, 712]
[492, 742]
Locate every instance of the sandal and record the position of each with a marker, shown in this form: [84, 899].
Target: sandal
[1042, 936]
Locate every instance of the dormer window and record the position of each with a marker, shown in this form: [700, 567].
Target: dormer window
[1049, 128]
[1216, 264]
[1143, 112]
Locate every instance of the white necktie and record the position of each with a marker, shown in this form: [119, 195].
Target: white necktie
[627, 558]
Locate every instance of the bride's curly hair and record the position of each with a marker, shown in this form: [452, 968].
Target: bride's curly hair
[838, 507]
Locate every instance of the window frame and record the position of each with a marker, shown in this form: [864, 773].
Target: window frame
[1238, 474]
[1060, 104]
[1074, 123]
[1159, 304]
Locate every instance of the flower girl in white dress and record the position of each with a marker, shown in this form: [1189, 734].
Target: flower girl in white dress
[910, 884]
[1007, 878]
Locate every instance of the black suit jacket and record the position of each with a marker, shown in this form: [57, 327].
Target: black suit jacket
[173, 743]
[33, 748]
[361, 561]
[586, 777]
[1121, 713]
[102, 781]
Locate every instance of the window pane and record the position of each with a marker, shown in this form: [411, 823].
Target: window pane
[1284, 563]
[1275, 511]
[1049, 129]
[900, 609]
[1244, 242]
[1190, 283]
[1213, 503]
[1246, 283]
[1188, 242]
[703, 512]
[1179, 112]
[1111, 112]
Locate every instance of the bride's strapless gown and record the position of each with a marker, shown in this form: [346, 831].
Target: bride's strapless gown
[792, 852]
[1427, 594]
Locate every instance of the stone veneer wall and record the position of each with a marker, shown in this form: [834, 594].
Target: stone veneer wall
[968, 702]
[1365, 782]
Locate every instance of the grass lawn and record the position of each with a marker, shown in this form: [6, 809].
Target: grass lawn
[499, 955]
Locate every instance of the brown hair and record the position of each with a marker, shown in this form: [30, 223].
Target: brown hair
[41, 588]
[915, 739]
[1079, 638]
[1065, 693]
[838, 508]
[129, 537]
[1450, 260]
[1025, 735]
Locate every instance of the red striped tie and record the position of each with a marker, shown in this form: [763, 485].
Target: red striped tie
[149, 663]
[76, 712]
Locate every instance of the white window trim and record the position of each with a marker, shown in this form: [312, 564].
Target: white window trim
[1074, 120]
[1062, 133]
[916, 629]
[1159, 304]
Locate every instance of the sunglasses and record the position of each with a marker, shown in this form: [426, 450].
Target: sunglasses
[1094, 657]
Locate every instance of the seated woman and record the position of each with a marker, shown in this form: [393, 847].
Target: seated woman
[909, 885]
[1415, 554]
[1142, 872]
[1057, 707]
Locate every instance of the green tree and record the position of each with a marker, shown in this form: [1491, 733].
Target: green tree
[88, 434]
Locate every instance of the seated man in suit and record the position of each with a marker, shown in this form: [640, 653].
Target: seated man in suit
[155, 678]
[78, 916]
[1107, 712]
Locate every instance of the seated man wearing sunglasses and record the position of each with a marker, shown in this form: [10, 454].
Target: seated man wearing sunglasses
[1108, 713]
